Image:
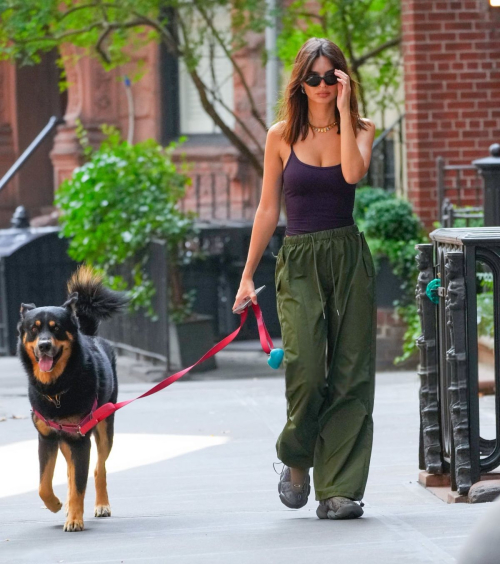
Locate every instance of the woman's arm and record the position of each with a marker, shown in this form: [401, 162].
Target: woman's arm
[355, 151]
[267, 214]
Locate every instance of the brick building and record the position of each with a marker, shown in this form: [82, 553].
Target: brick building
[452, 92]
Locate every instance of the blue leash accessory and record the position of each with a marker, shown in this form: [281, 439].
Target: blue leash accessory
[432, 290]
[275, 358]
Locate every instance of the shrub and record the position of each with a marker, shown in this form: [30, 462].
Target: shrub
[392, 220]
[114, 205]
[392, 230]
[366, 196]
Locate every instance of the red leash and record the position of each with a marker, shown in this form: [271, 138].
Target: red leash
[95, 417]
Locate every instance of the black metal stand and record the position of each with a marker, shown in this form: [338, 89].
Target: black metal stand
[449, 401]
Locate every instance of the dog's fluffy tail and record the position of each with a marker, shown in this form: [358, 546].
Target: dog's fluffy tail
[95, 301]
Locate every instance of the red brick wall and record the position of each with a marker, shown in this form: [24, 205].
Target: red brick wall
[452, 89]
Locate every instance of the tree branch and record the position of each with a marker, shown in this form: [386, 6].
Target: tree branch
[98, 46]
[218, 98]
[236, 67]
[374, 52]
[211, 111]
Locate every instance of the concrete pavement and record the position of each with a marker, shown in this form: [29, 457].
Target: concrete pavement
[191, 481]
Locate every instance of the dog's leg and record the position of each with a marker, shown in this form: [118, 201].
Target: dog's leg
[47, 455]
[77, 455]
[104, 441]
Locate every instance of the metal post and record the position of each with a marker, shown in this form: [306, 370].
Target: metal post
[20, 218]
[431, 447]
[456, 358]
[489, 169]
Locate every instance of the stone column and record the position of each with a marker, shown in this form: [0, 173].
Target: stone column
[92, 98]
[7, 138]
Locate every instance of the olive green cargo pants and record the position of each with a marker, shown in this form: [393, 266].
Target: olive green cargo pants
[325, 286]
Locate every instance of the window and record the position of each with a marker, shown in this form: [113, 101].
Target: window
[183, 111]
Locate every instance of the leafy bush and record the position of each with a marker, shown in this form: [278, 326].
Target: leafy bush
[392, 230]
[485, 314]
[366, 196]
[392, 219]
[114, 205]
[485, 300]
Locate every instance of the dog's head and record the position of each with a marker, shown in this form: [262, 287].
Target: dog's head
[47, 335]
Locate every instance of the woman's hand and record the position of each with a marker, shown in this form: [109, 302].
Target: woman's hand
[343, 91]
[245, 291]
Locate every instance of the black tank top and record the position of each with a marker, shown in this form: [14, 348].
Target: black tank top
[316, 197]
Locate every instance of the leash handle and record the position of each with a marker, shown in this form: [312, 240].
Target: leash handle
[109, 408]
[265, 339]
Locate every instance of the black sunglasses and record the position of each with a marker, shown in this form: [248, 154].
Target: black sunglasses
[330, 78]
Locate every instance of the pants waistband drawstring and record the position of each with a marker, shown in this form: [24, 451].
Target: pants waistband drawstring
[318, 282]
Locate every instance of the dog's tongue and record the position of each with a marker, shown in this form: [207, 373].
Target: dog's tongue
[45, 363]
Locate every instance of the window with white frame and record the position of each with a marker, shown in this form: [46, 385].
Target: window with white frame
[216, 72]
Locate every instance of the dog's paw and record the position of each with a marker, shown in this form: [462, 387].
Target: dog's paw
[102, 511]
[73, 525]
[53, 504]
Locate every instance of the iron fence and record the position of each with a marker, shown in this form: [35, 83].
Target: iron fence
[217, 196]
[450, 439]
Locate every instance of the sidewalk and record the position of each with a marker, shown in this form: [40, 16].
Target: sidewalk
[240, 359]
[191, 481]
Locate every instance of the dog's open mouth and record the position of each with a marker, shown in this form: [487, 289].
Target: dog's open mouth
[46, 363]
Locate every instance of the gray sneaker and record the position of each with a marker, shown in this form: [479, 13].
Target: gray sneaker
[293, 496]
[339, 508]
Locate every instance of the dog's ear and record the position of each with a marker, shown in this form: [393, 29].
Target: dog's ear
[25, 308]
[70, 303]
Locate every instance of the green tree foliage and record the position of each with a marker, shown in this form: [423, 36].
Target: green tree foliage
[392, 230]
[112, 30]
[367, 31]
[120, 200]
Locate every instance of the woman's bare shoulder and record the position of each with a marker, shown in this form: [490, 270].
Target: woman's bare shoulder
[368, 122]
[277, 129]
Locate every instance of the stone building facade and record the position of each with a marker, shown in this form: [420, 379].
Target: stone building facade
[224, 184]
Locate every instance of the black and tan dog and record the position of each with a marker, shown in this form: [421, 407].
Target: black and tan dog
[69, 367]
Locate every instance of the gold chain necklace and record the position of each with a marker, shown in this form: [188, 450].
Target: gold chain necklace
[322, 129]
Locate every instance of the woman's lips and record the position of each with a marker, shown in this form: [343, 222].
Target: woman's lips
[324, 94]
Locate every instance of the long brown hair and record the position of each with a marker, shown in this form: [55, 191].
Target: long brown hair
[293, 108]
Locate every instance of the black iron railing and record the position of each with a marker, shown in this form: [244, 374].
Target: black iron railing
[215, 196]
[449, 398]
[382, 170]
[456, 199]
[23, 158]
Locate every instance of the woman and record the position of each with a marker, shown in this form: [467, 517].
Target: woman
[318, 150]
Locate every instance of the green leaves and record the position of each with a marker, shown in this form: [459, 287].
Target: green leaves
[121, 199]
[367, 32]
[365, 197]
[392, 230]
[392, 219]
